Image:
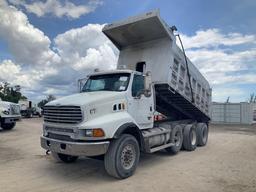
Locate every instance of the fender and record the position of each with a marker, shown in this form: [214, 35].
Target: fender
[132, 129]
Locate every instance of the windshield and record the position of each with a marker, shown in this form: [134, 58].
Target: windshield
[107, 82]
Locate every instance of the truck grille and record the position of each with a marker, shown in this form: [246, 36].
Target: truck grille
[15, 109]
[63, 114]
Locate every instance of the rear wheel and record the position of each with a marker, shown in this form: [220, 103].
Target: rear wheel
[190, 138]
[59, 157]
[176, 139]
[122, 157]
[8, 126]
[202, 134]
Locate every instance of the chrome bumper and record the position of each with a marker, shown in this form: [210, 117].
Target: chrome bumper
[11, 119]
[75, 148]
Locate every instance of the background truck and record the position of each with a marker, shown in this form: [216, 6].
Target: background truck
[9, 114]
[27, 110]
[156, 99]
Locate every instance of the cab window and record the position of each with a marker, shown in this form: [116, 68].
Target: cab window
[137, 85]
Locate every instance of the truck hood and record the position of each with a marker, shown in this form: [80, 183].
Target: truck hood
[6, 104]
[87, 98]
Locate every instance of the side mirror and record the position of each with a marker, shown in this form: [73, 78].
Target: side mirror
[80, 83]
[147, 84]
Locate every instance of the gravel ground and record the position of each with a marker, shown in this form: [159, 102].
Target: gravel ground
[227, 163]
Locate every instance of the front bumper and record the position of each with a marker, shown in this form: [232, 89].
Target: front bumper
[75, 148]
[11, 119]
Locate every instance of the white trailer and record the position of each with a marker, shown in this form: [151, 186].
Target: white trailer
[27, 110]
[116, 112]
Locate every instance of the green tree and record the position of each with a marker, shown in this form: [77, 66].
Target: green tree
[44, 101]
[10, 93]
[252, 98]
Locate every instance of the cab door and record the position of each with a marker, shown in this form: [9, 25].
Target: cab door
[139, 106]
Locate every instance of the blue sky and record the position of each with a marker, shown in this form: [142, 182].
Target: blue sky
[188, 16]
[219, 37]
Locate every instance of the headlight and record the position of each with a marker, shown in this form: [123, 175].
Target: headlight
[6, 112]
[97, 132]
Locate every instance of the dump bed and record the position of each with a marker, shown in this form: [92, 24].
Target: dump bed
[146, 43]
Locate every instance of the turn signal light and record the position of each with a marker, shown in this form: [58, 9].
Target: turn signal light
[98, 133]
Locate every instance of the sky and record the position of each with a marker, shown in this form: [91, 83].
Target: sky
[46, 46]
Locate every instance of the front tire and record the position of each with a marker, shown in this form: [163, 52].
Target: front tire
[8, 126]
[122, 157]
[59, 157]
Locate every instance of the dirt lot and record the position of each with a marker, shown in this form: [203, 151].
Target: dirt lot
[227, 163]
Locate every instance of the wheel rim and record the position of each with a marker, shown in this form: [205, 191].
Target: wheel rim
[128, 156]
[193, 137]
[177, 139]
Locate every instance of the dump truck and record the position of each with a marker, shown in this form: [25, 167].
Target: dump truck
[155, 100]
[9, 114]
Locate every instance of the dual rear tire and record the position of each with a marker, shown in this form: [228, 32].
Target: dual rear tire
[195, 135]
[188, 139]
[202, 134]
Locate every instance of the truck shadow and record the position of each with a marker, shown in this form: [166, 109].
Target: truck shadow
[92, 170]
[2, 131]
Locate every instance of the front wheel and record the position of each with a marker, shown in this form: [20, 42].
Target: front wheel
[122, 157]
[8, 126]
[59, 157]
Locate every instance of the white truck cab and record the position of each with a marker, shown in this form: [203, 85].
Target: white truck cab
[115, 113]
[9, 114]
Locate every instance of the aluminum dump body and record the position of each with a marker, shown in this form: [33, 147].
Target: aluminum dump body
[146, 43]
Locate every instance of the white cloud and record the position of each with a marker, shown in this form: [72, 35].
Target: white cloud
[231, 67]
[41, 70]
[27, 44]
[16, 75]
[58, 8]
[92, 48]
[219, 60]
[223, 78]
[221, 94]
[214, 37]
[221, 65]
[8, 70]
